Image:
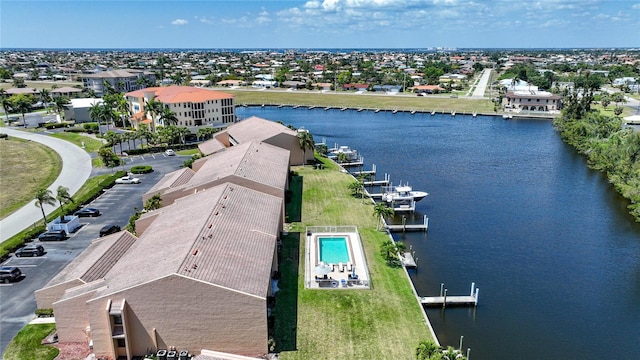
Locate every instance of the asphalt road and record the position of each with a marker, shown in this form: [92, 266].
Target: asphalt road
[76, 168]
[116, 204]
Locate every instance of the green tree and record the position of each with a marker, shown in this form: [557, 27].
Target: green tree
[426, 349]
[205, 133]
[168, 117]
[153, 108]
[22, 104]
[45, 97]
[381, 210]
[618, 110]
[5, 103]
[305, 139]
[108, 157]
[60, 104]
[63, 196]
[44, 197]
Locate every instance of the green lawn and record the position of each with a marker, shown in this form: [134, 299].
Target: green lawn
[90, 144]
[384, 322]
[366, 101]
[26, 167]
[27, 344]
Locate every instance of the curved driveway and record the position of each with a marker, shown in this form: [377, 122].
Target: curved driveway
[76, 169]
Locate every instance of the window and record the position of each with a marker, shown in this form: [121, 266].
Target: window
[117, 319]
[121, 343]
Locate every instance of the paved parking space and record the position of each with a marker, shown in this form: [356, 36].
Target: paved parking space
[116, 205]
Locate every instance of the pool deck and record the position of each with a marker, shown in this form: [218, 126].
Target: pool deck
[351, 275]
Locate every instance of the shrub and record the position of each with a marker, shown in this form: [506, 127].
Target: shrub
[4, 136]
[141, 169]
[44, 312]
[91, 127]
[75, 130]
[57, 125]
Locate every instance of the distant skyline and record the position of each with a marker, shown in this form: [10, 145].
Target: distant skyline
[320, 24]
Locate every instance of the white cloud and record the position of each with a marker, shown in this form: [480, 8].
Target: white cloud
[635, 6]
[179, 22]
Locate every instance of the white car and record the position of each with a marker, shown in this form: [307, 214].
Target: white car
[170, 152]
[128, 180]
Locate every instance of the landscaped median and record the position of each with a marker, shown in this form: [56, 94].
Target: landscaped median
[385, 322]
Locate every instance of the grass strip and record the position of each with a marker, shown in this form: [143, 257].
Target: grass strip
[90, 144]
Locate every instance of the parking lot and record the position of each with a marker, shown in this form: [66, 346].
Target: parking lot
[116, 205]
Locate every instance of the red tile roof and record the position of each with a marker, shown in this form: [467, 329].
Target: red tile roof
[181, 94]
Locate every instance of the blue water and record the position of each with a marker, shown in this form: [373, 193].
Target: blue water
[333, 250]
[511, 207]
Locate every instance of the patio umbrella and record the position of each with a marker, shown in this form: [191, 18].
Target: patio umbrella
[322, 269]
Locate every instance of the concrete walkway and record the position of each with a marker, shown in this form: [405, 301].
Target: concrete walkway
[76, 169]
[481, 87]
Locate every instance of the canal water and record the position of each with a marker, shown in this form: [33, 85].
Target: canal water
[512, 208]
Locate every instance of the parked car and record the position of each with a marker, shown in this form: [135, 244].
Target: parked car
[9, 273]
[91, 212]
[128, 180]
[53, 235]
[170, 152]
[109, 229]
[30, 250]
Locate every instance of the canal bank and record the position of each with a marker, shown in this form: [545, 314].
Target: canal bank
[515, 210]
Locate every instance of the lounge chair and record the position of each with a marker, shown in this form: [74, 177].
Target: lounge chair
[341, 267]
[349, 267]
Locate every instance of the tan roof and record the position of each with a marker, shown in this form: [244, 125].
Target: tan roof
[66, 89]
[96, 260]
[258, 162]
[120, 73]
[170, 180]
[255, 128]
[230, 243]
[211, 146]
[181, 94]
[14, 91]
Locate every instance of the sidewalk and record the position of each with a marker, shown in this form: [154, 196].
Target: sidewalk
[76, 169]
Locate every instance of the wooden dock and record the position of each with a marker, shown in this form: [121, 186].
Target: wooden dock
[410, 227]
[444, 300]
[408, 260]
[365, 172]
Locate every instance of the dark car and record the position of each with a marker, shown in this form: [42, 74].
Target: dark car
[9, 273]
[53, 235]
[91, 212]
[30, 250]
[109, 229]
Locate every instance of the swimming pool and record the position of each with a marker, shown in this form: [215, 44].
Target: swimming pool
[333, 250]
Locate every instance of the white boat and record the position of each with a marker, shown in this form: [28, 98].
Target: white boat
[403, 192]
[352, 155]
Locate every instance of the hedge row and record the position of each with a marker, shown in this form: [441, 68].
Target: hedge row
[141, 169]
[85, 195]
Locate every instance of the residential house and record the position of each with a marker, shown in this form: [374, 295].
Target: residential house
[540, 101]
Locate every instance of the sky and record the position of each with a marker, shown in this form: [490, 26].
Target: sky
[418, 24]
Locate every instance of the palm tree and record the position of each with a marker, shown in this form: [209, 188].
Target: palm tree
[22, 103]
[426, 349]
[5, 102]
[168, 117]
[60, 104]
[96, 112]
[45, 97]
[182, 133]
[63, 197]
[205, 132]
[306, 142]
[381, 210]
[154, 108]
[44, 197]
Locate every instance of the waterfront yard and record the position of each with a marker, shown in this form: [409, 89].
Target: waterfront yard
[365, 101]
[385, 322]
[26, 166]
